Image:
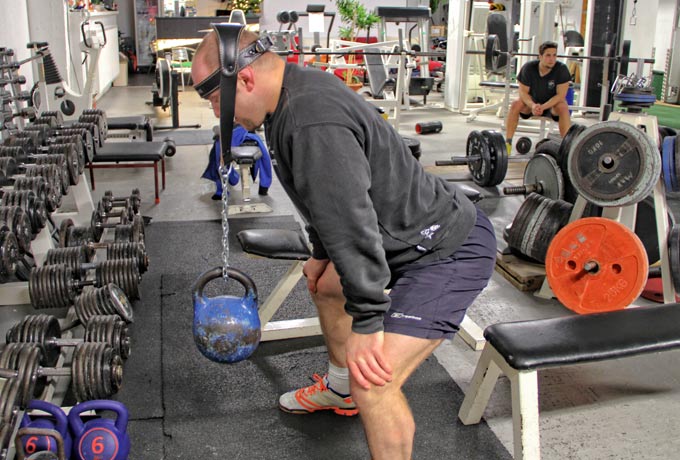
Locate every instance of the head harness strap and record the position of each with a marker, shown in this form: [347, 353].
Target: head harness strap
[231, 61]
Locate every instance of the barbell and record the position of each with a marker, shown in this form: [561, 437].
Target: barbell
[486, 157]
[493, 52]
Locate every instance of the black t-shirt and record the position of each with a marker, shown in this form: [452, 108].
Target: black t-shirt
[541, 89]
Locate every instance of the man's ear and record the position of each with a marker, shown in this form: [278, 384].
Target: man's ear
[247, 77]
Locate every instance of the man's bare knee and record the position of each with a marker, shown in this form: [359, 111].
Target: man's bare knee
[517, 106]
[328, 288]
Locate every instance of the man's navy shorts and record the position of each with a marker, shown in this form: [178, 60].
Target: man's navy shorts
[429, 300]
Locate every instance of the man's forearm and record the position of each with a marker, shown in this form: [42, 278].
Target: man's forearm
[553, 101]
[528, 101]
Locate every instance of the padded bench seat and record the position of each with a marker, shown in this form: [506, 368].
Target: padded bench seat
[520, 349]
[133, 155]
[135, 124]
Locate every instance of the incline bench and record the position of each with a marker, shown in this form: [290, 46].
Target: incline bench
[133, 155]
[520, 349]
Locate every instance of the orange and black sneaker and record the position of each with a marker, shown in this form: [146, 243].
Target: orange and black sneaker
[317, 397]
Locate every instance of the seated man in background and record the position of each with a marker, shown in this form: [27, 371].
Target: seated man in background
[543, 86]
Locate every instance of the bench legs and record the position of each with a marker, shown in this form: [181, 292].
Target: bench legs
[524, 389]
[154, 165]
[276, 330]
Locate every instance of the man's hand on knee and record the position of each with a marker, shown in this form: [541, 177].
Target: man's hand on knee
[366, 360]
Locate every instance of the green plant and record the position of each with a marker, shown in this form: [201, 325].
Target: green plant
[356, 18]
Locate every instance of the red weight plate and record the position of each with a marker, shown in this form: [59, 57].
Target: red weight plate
[595, 265]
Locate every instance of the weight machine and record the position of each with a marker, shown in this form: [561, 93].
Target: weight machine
[51, 92]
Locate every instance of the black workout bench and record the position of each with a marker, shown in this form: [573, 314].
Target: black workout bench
[520, 349]
[133, 155]
[135, 125]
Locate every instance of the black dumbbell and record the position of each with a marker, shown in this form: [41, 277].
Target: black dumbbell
[29, 202]
[56, 286]
[45, 331]
[75, 256]
[96, 372]
[105, 300]
[9, 253]
[69, 165]
[70, 235]
[51, 172]
[135, 200]
[486, 158]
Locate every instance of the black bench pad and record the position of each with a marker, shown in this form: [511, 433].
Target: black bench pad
[274, 244]
[497, 84]
[131, 151]
[536, 344]
[246, 154]
[136, 122]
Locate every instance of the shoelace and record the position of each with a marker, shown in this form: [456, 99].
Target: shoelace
[318, 386]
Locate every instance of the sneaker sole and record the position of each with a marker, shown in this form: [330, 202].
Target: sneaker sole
[337, 410]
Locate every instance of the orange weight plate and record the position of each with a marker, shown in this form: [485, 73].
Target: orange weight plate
[595, 264]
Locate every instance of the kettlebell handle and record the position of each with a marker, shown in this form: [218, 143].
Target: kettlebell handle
[233, 273]
[99, 404]
[55, 411]
[28, 431]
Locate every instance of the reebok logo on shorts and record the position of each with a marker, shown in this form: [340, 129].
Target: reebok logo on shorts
[400, 315]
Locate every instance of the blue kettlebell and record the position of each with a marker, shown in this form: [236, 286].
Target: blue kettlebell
[34, 443]
[100, 438]
[28, 432]
[226, 328]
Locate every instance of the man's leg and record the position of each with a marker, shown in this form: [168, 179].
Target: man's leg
[336, 324]
[331, 392]
[512, 120]
[561, 110]
[384, 411]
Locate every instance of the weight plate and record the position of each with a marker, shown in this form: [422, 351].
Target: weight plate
[674, 256]
[613, 164]
[595, 265]
[517, 230]
[479, 158]
[570, 193]
[96, 224]
[666, 162]
[543, 169]
[120, 302]
[532, 228]
[673, 169]
[492, 54]
[523, 145]
[645, 228]
[499, 156]
[163, 78]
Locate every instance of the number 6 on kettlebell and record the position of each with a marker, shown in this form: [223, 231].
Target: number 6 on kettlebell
[101, 438]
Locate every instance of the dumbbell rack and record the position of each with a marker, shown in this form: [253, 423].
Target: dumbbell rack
[627, 215]
[16, 293]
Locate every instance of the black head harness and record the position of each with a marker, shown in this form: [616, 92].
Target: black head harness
[224, 78]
